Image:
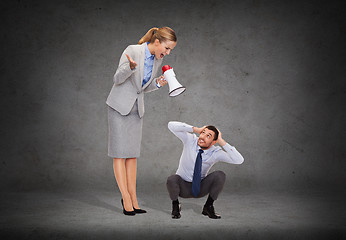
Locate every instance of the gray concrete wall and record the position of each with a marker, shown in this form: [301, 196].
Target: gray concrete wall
[269, 74]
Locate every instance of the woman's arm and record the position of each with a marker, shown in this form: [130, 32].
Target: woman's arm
[126, 67]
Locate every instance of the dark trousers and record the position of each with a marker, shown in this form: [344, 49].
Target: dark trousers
[212, 184]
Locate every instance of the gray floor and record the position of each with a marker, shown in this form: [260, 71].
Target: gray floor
[98, 215]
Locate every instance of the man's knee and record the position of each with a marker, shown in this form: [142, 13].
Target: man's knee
[220, 176]
[171, 180]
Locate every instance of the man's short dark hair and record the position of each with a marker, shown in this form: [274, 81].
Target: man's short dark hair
[214, 129]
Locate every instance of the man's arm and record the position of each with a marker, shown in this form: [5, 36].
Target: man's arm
[231, 155]
[198, 130]
[181, 130]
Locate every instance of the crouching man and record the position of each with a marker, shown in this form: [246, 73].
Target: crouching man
[199, 155]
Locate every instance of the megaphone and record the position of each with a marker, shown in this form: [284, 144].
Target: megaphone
[175, 88]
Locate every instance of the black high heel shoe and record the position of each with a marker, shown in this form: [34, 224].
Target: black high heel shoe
[128, 213]
[139, 210]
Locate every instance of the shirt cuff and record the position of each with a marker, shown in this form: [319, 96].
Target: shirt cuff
[228, 147]
[157, 84]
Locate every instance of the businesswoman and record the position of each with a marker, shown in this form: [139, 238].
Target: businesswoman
[137, 73]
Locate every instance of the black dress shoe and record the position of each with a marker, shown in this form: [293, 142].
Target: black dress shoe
[210, 212]
[139, 210]
[128, 213]
[176, 207]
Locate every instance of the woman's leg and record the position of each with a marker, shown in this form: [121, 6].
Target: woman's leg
[120, 176]
[131, 176]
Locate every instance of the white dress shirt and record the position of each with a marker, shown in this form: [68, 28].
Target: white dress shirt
[209, 157]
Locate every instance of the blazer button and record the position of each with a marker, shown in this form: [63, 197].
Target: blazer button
[138, 92]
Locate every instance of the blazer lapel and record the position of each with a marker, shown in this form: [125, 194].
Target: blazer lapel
[155, 66]
[141, 66]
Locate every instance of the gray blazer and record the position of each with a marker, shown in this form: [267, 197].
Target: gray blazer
[127, 87]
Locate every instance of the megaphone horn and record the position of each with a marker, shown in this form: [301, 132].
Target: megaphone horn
[175, 88]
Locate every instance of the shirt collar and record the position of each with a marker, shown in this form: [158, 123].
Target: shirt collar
[147, 52]
[208, 151]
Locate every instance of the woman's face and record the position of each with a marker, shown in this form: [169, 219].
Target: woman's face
[164, 48]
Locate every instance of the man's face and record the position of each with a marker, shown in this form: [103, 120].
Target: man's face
[206, 139]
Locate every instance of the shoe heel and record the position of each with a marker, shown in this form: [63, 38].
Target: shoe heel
[127, 213]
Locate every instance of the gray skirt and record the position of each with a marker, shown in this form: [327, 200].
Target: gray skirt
[124, 133]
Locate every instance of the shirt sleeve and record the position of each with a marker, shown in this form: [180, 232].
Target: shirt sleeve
[181, 130]
[230, 155]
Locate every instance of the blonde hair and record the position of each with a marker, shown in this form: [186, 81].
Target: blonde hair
[163, 34]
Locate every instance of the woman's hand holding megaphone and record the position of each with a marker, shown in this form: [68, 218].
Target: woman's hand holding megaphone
[161, 81]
